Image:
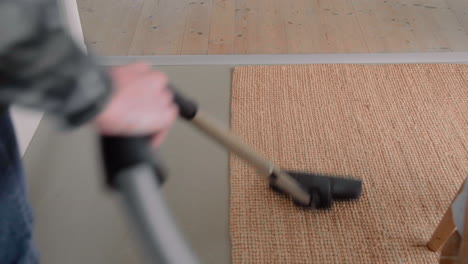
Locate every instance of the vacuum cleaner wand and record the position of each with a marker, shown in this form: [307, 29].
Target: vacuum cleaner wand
[306, 189]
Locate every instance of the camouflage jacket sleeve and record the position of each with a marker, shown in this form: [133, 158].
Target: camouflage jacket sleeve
[41, 66]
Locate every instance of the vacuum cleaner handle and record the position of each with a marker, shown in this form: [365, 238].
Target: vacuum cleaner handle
[187, 108]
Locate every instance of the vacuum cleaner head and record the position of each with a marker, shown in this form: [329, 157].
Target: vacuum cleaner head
[324, 189]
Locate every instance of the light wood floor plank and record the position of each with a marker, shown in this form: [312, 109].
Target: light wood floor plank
[197, 27]
[342, 30]
[271, 30]
[221, 35]
[460, 9]
[154, 35]
[246, 27]
[302, 27]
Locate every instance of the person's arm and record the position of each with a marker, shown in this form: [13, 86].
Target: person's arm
[41, 66]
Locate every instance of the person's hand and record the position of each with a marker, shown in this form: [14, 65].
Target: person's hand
[141, 104]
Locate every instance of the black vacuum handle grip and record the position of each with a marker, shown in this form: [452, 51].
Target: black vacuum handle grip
[187, 108]
[121, 153]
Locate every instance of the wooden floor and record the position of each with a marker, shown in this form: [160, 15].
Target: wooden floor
[155, 27]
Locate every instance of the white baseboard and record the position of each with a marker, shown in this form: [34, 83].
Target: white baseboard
[258, 59]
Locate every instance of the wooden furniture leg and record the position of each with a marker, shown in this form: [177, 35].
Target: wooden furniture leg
[443, 231]
[445, 228]
[449, 253]
[455, 250]
[463, 253]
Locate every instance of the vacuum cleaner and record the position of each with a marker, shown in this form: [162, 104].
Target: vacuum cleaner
[133, 170]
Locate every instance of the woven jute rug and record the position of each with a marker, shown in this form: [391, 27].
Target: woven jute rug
[402, 129]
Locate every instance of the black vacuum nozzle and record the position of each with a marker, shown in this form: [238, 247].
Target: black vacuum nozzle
[324, 189]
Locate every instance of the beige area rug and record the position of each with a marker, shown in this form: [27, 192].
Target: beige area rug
[402, 129]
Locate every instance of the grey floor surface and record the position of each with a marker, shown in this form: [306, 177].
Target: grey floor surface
[79, 221]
